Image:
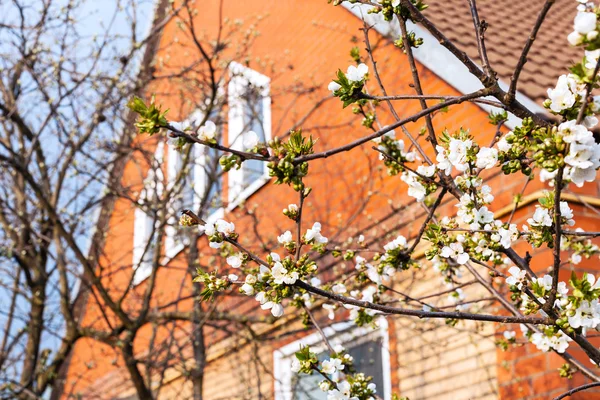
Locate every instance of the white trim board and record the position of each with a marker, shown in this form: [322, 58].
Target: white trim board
[440, 60]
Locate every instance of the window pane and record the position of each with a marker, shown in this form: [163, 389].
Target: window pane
[367, 359]
[213, 178]
[306, 387]
[253, 121]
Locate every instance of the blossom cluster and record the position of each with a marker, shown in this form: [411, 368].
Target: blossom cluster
[342, 381]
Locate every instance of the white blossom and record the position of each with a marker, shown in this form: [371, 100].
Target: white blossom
[315, 233]
[486, 194]
[545, 282]
[503, 144]
[285, 238]
[487, 158]
[331, 310]
[541, 217]
[562, 96]
[331, 366]
[281, 275]
[276, 308]
[357, 74]
[224, 227]
[339, 288]
[295, 365]
[585, 22]
[343, 392]
[425, 170]
[208, 131]
[247, 289]
[575, 38]
[250, 140]
[415, 188]
[566, 212]
[509, 335]
[334, 86]
[455, 251]
[443, 163]
[508, 236]
[399, 242]
[457, 153]
[572, 132]
[235, 261]
[516, 277]
[482, 216]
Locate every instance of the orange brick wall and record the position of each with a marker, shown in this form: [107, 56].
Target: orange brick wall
[307, 42]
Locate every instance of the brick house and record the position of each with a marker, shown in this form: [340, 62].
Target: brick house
[307, 42]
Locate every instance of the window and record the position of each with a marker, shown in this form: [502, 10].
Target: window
[368, 347]
[202, 173]
[249, 110]
[145, 219]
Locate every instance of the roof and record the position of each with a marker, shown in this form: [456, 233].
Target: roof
[510, 23]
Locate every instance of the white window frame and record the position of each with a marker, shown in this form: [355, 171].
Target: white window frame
[343, 333]
[172, 248]
[142, 228]
[241, 77]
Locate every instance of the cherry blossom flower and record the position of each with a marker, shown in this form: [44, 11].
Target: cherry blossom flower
[562, 96]
[585, 22]
[331, 308]
[331, 366]
[426, 170]
[314, 233]
[443, 163]
[509, 335]
[281, 275]
[334, 86]
[575, 38]
[503, 144]
[486, 158]
[224, 227]
[458, 153]
[482, 216]
[572, 132]
[276, 308]
[415, 188]
[296, 366]
[235, 261]
[567, 213]
[343, 392]
[208, 131]
[250, 140]
[285, 238]
[357, 74]
[247, 289]
[516, 277]
[339, 288]
[508, 236]
[399, 242]
[545, 282]
[541, 217]
[455, 251]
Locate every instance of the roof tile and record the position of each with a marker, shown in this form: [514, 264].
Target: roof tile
[510, 22]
